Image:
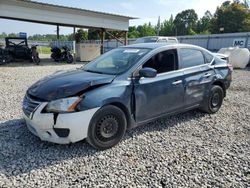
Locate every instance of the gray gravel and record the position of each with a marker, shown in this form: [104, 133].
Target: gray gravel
[188, 150]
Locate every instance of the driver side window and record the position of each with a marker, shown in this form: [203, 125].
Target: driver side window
[162, 62]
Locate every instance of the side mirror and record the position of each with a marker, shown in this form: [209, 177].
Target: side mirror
[147, 72]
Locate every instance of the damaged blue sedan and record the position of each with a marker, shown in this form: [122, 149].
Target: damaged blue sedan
[122, 89]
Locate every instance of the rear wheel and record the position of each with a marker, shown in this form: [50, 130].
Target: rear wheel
[70, 59]
[107, 127]
[214, 101]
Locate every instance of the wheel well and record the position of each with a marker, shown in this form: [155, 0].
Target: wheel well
[221, 84]
[125, 111]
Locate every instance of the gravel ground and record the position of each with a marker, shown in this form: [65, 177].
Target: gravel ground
[188, 150]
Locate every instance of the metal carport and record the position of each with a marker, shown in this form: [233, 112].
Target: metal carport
[30, 11]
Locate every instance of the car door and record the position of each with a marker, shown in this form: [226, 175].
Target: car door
[162, 94]
[197, 74]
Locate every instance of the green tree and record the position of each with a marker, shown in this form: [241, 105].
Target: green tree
[133, 33]
[146, 30]
[12, 35]
[226, 3]
[81, 35]
[185, 22]
[204, 24]
[231, 18]
[93, 34]
[168, 27]
[70, 37]
[3, 35]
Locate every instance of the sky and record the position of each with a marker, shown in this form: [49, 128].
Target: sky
[146, 10]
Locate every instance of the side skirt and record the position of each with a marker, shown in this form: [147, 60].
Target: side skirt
[136, 124]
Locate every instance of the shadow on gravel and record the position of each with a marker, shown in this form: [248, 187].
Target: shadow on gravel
[22, 152]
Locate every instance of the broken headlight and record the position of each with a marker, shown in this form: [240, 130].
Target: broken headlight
[65, 105]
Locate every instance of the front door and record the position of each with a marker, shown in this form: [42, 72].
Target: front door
[162, 94]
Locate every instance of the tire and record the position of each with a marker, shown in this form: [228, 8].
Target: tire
[70, 59]
[213, 103]
[107, 127]
[36, 60]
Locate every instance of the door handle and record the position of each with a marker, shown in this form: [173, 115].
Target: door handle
[207, 75]
[177, 82]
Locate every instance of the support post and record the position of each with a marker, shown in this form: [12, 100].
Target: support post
[74, 44]
[57, 32]
[126, 38]
[74, 33]
[102, 40]
[247, 42]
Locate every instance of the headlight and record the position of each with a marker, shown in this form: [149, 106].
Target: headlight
[63, 105]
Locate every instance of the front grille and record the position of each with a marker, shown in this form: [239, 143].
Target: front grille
[29, 105]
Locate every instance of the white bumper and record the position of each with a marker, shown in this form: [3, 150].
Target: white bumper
[42, 124]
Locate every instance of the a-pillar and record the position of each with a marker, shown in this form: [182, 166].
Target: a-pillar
[74, 44]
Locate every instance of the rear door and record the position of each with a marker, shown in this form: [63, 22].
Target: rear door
[197, 75]
[162, 94]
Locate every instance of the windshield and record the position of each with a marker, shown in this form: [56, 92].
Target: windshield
[116, 61]
[16, 42]
[146, 40]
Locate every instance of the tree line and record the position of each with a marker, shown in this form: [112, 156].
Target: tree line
[230, 17]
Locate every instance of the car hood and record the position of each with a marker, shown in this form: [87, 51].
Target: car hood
[66, 84]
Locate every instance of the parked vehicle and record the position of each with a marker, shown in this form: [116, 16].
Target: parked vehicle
[122, 89]
[157, 39]
[35, 55]
[4, 56]
[62, 55]
[18, 48]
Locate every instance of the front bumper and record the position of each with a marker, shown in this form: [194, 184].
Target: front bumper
[43, 125]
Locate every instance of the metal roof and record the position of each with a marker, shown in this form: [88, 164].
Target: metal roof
[79, 9]
[38, 12]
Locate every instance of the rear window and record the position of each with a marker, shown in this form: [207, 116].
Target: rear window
[190, 58]
[208, 57]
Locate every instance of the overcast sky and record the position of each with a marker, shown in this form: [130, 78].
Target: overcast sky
[146, 10]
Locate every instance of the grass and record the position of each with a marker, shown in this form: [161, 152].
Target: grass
[44, 50]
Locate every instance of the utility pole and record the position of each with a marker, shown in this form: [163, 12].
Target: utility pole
[57, 32]
[158, 26]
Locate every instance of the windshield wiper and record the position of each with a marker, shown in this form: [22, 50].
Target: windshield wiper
[93, 71]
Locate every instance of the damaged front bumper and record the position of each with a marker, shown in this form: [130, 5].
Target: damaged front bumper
[64, 129]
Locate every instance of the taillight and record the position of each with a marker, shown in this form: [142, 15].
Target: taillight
[230, 66]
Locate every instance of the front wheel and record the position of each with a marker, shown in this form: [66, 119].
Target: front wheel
[107, 127]
[36, 60]
[213, 103]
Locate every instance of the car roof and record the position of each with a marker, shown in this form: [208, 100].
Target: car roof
[160, 45]
[157, 37]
